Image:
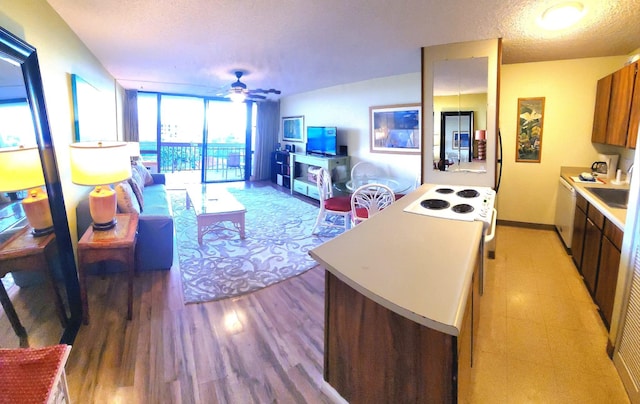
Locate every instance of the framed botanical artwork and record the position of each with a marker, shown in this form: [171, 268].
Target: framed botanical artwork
[293, 128]
[529, 137]
[395, 129]
[461, 140]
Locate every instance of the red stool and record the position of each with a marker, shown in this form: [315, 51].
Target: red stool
[34, 375]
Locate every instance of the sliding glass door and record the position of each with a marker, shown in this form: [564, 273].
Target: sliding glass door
[227, 142]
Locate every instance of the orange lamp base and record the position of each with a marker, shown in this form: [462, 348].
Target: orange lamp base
[102, 205]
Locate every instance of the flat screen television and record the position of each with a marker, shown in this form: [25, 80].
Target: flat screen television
[322, 140]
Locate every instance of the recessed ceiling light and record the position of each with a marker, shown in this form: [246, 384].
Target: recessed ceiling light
[562, 15]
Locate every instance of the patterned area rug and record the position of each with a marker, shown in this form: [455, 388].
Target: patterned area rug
[278, 237]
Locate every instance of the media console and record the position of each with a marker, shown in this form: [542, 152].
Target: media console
[338, 166]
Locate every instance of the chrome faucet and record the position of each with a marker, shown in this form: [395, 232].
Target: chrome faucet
[629, 172]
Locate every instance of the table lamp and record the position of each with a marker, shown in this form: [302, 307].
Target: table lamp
[100, 164]
[20, 169]
[134, 150]
[481, 137]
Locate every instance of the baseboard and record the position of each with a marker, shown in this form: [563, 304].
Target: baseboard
[536, 226]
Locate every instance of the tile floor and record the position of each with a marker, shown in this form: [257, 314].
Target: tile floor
[541, 339]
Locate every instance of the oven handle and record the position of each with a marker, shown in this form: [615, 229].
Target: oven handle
[494, 218]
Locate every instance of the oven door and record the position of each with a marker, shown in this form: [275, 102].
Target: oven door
[487, 236]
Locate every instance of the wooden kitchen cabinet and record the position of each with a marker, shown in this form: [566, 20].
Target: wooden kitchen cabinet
[579, 223]
[591, 252]
[608, 270]
[634, 118]
[596, 249]
[614, 114]
[601, 113]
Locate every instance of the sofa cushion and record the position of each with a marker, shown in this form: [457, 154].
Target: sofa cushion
[156, 201]
[127, 202]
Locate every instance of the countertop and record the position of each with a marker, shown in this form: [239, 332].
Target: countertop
[616, 215]
[419, 267]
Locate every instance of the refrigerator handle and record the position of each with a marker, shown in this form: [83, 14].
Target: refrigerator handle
[499, 161]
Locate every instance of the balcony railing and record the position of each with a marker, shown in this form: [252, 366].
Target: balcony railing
[224, 161]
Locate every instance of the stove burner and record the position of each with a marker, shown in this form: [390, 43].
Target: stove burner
[435, 204]
[444, 190]
[462, 208]
[468, 193]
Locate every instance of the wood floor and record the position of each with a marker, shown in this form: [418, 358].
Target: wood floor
[262, 347]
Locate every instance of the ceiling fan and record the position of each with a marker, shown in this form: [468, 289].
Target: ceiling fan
[238, 91]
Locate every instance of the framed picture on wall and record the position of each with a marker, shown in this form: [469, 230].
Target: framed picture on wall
[293, 128]
[89, 112]
[461, 140]
[395, 129]
[530, 119]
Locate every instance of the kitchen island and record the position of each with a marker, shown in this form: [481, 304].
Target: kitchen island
[400, 296]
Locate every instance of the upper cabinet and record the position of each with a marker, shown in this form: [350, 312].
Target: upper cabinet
[617, 109]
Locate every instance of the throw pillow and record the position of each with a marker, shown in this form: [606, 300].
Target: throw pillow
[127, 202]
[135, 176]
[138, 193]
[145, 174]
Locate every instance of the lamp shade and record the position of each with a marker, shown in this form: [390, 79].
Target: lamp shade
[134, 149]
[99, 163]
[20, 169]
[481, 134]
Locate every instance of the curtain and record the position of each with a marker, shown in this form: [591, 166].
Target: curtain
[267, 129]
[130, 118]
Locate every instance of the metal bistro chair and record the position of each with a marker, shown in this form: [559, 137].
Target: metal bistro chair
[368, 200]
[329, 204]
[234, 161]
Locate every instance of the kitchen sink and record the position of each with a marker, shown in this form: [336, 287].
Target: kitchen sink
[614, 197]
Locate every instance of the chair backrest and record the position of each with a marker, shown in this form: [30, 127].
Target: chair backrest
[365, 169]
[233, 160]
[370, 199]
[325, 186]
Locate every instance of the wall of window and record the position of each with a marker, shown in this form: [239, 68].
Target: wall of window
[174, 129]
[16, 124]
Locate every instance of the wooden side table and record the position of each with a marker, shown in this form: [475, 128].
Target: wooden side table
[24, 252]
[118, 244]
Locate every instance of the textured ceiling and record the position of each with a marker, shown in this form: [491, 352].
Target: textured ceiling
[193, 46]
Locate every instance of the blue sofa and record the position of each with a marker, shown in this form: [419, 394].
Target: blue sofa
[154, 247]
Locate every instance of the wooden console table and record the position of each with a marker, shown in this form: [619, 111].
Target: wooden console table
[338, 167]
[24, 252]
[117, 244]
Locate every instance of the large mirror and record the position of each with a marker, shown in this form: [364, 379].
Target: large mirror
[32, 314]
[459, 109]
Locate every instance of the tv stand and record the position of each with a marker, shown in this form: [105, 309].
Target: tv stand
[338, 166]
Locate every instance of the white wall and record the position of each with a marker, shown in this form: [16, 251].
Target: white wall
[347, 108]
[528, 190]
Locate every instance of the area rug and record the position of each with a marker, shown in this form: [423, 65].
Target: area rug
[278, 238]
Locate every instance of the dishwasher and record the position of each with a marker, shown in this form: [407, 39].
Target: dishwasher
[565, 211]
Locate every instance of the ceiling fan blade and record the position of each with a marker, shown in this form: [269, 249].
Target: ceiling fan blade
[263, 91]
[256, 96]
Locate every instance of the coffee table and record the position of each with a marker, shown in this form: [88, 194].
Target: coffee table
[214, 205]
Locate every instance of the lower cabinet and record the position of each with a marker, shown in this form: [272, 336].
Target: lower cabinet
[591, 251]
[579, 223]
[596, 252]
[608, 270]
